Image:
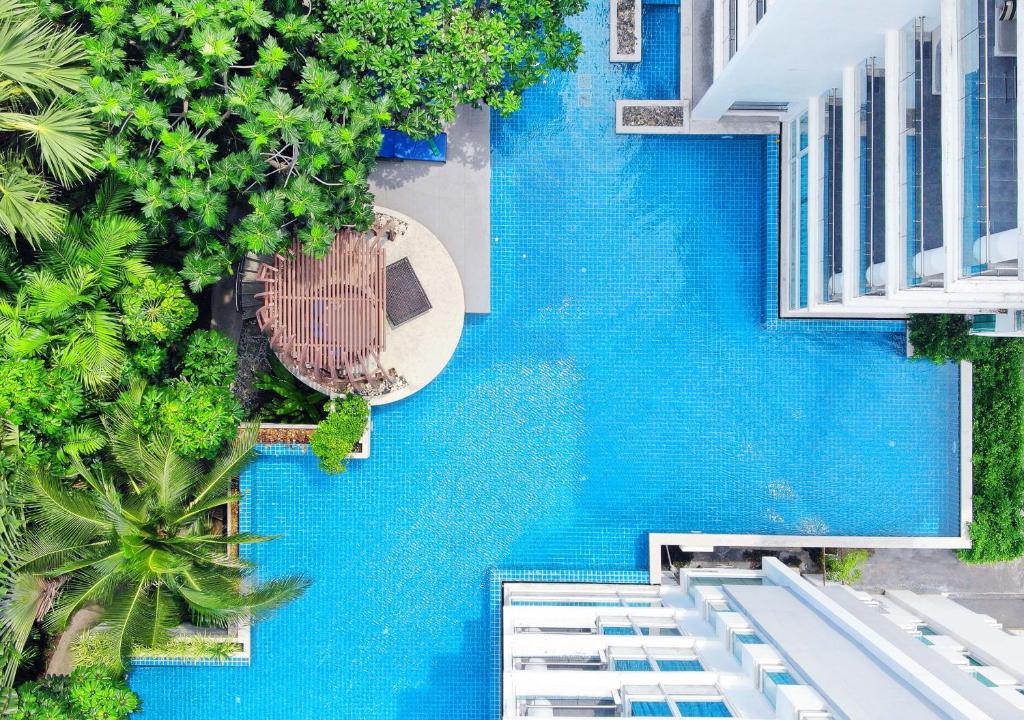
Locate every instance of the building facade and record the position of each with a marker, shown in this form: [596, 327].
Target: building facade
[766, 644]
[900, 180]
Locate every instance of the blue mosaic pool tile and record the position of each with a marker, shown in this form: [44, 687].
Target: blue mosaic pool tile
[624, 383]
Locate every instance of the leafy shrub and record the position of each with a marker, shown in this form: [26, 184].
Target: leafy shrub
[428, 61]
[233, 120]
[845, 567]
[941, 338]
[41, 400]
[997, 530]
[146, 361]
[157, 309]
[290, 399]
[200, 418]
[336, 435]
[87, 694]
[211, 357]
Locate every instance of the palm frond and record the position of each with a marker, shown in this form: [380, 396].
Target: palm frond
[255, 604]
[62, 516]
[92, 585]
[39, 59]
[65, 136]
[27, 206]
[228, 466]
[93, 348]
[131, 617]
[42, 555]
[82, 439]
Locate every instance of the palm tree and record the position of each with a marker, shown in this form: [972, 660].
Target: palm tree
[134, 537]
[63, 307]
[44, 137]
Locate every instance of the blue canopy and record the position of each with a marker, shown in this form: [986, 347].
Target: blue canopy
[399, 146]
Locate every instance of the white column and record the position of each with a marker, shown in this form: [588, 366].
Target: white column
[1020, 145]
[745, 21]
[851, 185]
[952, 142]
[785, 217]
[720, 28]
[815, 198]
[894, 162]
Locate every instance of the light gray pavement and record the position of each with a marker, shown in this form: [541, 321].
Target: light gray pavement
[936, 571]
[452, 199]
[995, 589]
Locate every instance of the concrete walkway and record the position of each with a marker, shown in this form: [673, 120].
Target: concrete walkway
[452, 199]
[937, 571]
[996, 590]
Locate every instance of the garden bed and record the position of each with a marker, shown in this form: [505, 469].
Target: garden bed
[298, 434]
[651, 117]
[625, 30]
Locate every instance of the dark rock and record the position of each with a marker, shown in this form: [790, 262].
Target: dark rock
[653, 115]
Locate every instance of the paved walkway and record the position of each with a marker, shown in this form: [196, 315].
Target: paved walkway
[996, 589]
[935, 571]
[453, 199]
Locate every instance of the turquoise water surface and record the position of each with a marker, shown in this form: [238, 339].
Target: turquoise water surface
[625, 382]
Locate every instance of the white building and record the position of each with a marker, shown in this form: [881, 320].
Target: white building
[764, 644]
[900, 180]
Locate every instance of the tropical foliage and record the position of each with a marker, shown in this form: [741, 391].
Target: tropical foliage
[240, 124]
[89, 693]
[288, 398]
[134, 535]
[92, 648]
[145, 144]
[47, 138]
[336, 435]
[845, 566]
[997, 530]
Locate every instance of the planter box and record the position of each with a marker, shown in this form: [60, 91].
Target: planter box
[298, 434]
[624, 29]
[651, 117]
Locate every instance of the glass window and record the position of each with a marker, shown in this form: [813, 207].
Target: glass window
[773, 679]
[559, 662]
[631, 665]
[680, 665]
[650, 708]
[703, 708]
[660, 630]
[555, 630]
[617, 630]
[982, 679]
[567, 706]
[798, 183]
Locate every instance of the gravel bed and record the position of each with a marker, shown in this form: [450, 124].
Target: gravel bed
[653, 116]
[625, 27]
[253, 359]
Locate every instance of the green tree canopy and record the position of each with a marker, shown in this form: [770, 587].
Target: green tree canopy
[46, 137]
[238, 123]
[134, 536]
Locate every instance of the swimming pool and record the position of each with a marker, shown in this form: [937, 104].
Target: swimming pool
[625, 382]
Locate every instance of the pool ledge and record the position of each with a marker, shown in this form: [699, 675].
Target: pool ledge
[707, 542]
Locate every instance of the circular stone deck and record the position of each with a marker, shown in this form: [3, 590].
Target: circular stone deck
[419, 349]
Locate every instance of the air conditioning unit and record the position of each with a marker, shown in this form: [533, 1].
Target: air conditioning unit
[1006, 29]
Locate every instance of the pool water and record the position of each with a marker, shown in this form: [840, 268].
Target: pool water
[625, 382]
